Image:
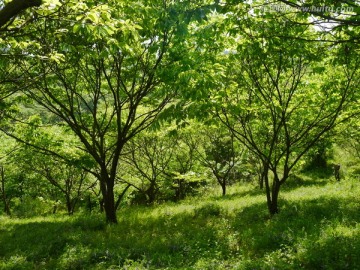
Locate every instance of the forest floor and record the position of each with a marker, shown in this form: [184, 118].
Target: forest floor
[317, 228]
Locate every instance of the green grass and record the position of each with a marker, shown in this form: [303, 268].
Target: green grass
[318, 228]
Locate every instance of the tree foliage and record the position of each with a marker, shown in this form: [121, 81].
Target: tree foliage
[95, 85]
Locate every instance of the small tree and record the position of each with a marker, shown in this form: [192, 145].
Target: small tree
[187, 173]
[220, 158]
[148, 157]
[217, 152]
[70, 181]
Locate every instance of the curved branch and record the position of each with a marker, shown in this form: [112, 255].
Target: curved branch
[13, 8]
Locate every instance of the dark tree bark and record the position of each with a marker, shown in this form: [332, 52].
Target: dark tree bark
[337, 172]
[107, 191]
[13, 8]
[3, 192]
[223, 186]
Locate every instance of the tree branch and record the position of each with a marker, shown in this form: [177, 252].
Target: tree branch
[13, 8]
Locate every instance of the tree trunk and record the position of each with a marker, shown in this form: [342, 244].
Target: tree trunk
[275, 189]
[4, 197]
[69, 205]
[261, 181]
[121, 196]
[107, 190]
[272, 192]
[223, 186]
[180, 190]
[109, 206]
[262, 176]
[89, 203]
[7, 206]
[151, 192]
[101, 205]
[221, 180]
[273, 209]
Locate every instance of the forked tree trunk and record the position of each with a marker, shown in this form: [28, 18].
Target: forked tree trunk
[221, 180]
[273, 204]
[107, 190]
[272, 191]
[70, 205]
[151, 192]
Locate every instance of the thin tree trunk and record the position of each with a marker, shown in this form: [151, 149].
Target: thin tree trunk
[262, 176]
[268, 192]
[4, 197]
[101, 205]
[223, 186]
[261, 181]
[274, 209]
[265, 175]
[121, 196]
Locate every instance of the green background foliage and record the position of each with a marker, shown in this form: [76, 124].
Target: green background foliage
[210, 134]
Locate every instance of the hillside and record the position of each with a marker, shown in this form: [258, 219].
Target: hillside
[317, 228]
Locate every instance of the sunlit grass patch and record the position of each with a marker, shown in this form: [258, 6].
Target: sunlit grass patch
[317, 227]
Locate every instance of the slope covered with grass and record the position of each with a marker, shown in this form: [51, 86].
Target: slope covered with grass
[317, 228]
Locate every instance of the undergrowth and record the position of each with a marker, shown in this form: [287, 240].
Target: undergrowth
[317, 228]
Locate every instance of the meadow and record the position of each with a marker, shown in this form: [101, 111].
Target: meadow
[317, 228]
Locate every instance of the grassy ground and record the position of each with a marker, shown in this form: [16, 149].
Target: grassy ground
[317, 228]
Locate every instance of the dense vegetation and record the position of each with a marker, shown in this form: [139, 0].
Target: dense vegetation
[209, 134]
[318, 228]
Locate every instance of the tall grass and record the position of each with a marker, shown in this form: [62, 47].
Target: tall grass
[317, 228]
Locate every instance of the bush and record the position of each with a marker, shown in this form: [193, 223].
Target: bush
[31, 207]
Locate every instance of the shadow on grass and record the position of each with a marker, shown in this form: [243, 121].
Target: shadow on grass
[29, 245]
[304, 180]
[308, 234]
[255, 191]
[319, 233]
[174, 240]
[171, 240]
[293, 183]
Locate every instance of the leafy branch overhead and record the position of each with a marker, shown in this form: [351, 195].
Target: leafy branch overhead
[14, 8]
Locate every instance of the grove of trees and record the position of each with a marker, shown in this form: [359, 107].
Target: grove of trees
[104, 103]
